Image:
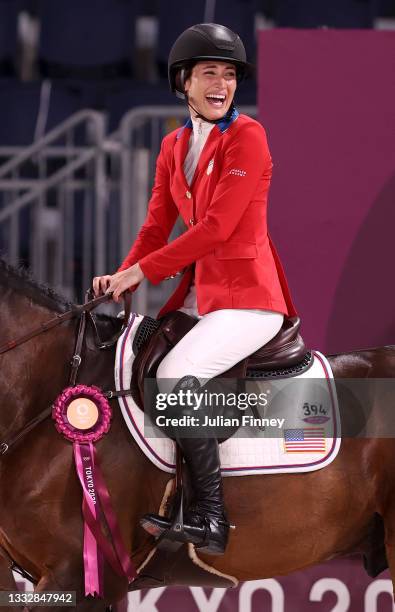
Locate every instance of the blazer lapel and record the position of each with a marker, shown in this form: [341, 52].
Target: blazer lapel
[180, 151]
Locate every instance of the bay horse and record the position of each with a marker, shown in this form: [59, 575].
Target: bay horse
[334, 511]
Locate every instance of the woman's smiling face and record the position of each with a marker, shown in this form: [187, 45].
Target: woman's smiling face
[211, 88]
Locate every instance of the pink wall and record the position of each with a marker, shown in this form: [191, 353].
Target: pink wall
[327, 101]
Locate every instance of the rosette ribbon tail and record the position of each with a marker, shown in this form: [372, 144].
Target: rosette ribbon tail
[95, 492]
[84, 461]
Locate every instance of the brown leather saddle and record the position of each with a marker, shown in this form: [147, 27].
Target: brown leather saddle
[285, 355]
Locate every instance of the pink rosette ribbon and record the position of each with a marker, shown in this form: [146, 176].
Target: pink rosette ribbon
[83, 415]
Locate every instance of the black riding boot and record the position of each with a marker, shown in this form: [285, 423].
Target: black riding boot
[205, 521]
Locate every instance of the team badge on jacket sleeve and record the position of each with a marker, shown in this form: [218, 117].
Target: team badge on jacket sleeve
[210, 166]
[237, 172]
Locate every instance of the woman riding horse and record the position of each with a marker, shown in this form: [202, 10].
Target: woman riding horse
[215, 172]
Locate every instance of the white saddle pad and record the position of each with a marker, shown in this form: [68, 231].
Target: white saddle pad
[308, 440]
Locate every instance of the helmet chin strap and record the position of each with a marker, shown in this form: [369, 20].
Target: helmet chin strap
[215, 121]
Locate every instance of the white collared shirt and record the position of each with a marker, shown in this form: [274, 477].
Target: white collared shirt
[201, 130]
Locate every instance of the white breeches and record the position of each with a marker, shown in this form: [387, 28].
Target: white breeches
[217, 342]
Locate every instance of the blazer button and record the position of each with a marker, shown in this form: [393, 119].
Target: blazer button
[191, 221]
[188, 194]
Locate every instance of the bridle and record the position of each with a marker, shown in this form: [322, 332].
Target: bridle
[83, 311]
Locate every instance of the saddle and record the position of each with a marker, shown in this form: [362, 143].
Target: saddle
[281, 356]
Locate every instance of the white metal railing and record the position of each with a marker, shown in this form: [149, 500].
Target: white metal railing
[43, 203]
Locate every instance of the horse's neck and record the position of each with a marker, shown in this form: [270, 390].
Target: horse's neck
[32, 373]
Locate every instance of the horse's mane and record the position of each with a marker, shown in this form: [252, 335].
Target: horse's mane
[21, 281]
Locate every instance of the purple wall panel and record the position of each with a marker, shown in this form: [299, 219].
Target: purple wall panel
[327, 101]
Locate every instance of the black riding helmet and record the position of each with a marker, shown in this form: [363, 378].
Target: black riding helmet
[205, 41]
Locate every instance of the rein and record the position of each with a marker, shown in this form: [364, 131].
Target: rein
[57, 320]
[82, 311]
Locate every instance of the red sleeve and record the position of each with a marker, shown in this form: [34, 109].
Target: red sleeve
[161, 216]
[246, 160]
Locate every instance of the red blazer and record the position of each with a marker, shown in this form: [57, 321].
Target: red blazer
[224, 211]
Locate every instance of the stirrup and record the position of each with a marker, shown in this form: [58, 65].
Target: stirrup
[167, 540]
[171, 536]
